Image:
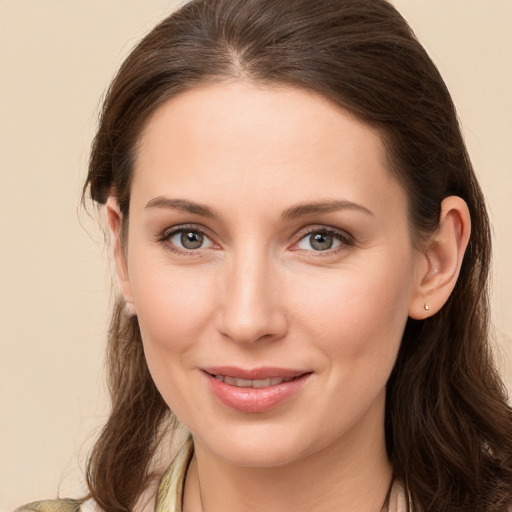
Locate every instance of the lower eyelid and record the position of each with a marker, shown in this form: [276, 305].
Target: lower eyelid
[166, 240]
[342, 238]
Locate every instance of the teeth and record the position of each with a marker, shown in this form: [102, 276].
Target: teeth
[259, 383]
[241, 383]
[262, 383]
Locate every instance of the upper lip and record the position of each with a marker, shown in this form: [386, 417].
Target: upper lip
[261, 373]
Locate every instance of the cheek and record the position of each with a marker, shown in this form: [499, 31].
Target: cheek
[173, 306]
[174, 311]
[358, 313]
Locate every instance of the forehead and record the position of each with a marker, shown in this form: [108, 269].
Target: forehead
[255, 140]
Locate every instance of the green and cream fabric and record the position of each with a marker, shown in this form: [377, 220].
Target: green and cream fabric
[169, 496]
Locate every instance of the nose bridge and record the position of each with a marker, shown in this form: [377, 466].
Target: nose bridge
[252, 305]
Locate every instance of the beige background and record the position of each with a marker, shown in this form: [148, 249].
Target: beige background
[56, 58]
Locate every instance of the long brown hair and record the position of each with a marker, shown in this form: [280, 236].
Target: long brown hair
[448, 426]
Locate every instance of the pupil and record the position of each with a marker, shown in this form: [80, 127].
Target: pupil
[321, 241]
[191, 240]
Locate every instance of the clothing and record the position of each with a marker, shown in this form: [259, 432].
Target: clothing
[170, 491]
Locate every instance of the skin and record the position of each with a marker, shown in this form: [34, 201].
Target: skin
[258, 293]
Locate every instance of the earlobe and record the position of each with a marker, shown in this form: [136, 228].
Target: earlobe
[442, 259]
[114, 221]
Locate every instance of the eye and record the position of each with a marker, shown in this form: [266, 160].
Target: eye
[322, 240]
[187, 239]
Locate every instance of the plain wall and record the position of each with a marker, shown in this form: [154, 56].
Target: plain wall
[56, 59]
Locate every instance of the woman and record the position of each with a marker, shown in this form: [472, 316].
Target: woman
[302, 250]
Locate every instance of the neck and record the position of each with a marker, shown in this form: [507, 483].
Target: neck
[352, 473]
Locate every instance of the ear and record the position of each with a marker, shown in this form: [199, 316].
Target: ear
[114, 220]
[441, 259]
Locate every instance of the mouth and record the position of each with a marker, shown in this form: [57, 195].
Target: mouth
[255, 391]
[256, 383]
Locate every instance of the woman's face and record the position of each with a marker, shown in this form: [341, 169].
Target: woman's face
[271, 267]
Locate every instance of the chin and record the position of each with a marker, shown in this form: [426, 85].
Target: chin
[260, 446]
[266, 455]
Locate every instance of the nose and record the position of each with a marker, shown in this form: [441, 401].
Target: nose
[252, 302]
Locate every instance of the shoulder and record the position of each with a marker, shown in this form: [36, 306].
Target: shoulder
[60, 505]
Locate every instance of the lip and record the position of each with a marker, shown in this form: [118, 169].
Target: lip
[250, 399]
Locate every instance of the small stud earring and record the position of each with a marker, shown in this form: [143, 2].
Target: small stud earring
[427, 307]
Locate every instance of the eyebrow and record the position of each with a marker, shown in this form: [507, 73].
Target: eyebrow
[183, 205]
[322, 207]
[291, 213]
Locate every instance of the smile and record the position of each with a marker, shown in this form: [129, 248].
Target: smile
[255, 391]
[258, 383]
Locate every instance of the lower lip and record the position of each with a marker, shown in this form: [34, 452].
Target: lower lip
[252, 400]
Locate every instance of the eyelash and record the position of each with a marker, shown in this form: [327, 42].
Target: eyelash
[346, 240]
[167, 235]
